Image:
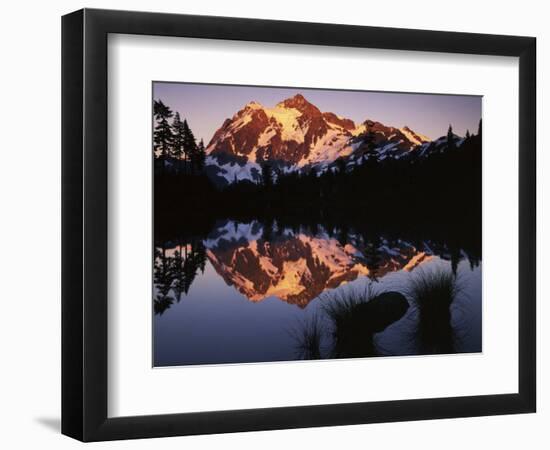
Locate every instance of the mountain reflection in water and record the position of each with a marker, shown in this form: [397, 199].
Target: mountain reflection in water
[238, 293]
[295, 266]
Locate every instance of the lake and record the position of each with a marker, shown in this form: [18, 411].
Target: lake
[260, 292]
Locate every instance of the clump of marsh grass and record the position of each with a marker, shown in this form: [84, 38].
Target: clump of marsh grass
[340, 306]
[433, 292]
[308, 336]
[356, 316]
[347, 323]
[351, 332]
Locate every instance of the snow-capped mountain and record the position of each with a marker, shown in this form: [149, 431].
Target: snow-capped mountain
[296, 135]
[297, 267]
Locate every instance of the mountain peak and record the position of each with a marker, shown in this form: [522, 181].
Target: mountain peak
[298, 102]
[295, 135]
[296, 98]
[253, 105]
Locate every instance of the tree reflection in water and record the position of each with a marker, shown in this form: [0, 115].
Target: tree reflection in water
[174, 272]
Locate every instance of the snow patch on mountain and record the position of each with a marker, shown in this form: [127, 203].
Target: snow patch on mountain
[297, 266]
[415, 138]
[287, 119]
[327, 149]
[295, 135]
[233, 171]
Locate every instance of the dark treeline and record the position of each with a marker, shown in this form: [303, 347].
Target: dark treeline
[443, 189]
[181, 187]
[439, 184]
[175, 148]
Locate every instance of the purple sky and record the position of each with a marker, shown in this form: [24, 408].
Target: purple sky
[206, 106]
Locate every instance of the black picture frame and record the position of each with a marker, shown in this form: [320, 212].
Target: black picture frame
[84, 224]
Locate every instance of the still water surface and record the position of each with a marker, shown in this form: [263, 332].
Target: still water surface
[249, 293]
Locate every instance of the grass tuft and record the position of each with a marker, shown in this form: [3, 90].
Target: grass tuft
[357, 316]
[433, 292]
[308, 336]
[349, 320]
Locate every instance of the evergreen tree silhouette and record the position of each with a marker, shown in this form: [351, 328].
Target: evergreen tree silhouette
[479, 128]
[456, 256]
[340, 165]
[189, 143]
[200, 256]
[267, 229]
[450, 138]
[179, 274]
[178, 136]
[371, 155]
[189, 270]
[163, 278]
[267, 175]
[343, 235]
[162, 135]
[173, 276]
[200, 156]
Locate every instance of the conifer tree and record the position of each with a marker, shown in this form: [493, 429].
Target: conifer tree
[179, 274]
[340, 165]
[279, 175]
[162, 136]
[178, 136]
[189, 143]
[371, 155]
[450, 137]
[163, 277]
[479, 129]
[267, 175]
[201, 256]
[200, 156]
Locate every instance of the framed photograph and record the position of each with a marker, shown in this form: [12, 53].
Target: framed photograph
[274, 224]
